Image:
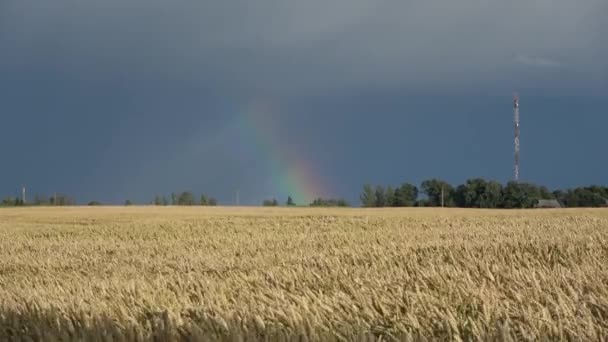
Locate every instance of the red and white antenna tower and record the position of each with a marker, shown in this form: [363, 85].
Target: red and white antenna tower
[516, 122]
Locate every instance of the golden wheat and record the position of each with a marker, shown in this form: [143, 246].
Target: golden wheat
[249, 274]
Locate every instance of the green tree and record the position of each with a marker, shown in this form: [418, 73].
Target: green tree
[592, 196]
[165, 201]
[204, 200]
[520, 195]
[158, 200]
[514, 196]
[94, 203]
[40, 200]
[368, 196]
[424, 202]
[479, 193]
[560, 196]
[389, 196]
[186, 198]
[492, 196]
[174, 199]
[290, 201]
[320, 202]
[212, 202]
[405, 195]
[380, 196]
[270, 203]
[8, 202]
[434, 188]
[128, 202]
[62, 200]
[544, 193]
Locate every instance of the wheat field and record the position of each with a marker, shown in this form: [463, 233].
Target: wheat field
[255, 274]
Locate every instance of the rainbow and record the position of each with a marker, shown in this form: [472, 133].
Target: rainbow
[290, 175]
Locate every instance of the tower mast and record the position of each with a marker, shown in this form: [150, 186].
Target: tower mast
[516, 123]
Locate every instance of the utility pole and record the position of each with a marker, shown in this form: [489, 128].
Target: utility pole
[442, 195]
[516, 123]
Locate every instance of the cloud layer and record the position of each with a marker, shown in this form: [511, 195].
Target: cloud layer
[273, 45]
[537, 61]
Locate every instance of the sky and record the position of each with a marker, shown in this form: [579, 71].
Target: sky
[126, 99]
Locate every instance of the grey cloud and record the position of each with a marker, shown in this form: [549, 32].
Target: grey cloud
[275, 45]
[537, 61]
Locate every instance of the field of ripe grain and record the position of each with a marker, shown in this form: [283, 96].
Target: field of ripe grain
[212, 274]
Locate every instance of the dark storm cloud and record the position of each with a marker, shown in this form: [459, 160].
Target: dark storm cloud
[305, 45]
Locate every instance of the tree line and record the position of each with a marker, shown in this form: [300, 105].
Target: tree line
[479, 193]
[317, 202]
[474, 193]
[39, 200]
[185, 198]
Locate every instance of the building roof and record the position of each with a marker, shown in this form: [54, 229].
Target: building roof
[548, 204]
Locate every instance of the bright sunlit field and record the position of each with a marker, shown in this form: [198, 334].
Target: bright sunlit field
[248, 274]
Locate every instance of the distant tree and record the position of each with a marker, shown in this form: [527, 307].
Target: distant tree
[40, 200]
[380, 196]
[422, 203]
[174, 200]
[463, 195]
[520, 195]
[204, 200]
[389, 195]
[368, 196]
[544, 193]
[600, 195]
[63, 200]
[592, 196]
[479, 193]
[560, 196]
[94, 203]
[433, 189]
[514, 196]
[270, 203]
[128, 202]
[185, 198]
[8, 202]
[492, 196]
[320, 202]
[405, 195]
[165, 201]
[290, 202]
[158, 200]
[212, 202]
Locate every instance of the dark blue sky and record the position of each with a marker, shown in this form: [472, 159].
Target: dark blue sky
[110, 100]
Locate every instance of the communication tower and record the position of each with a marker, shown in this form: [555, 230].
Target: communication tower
[516, 123]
